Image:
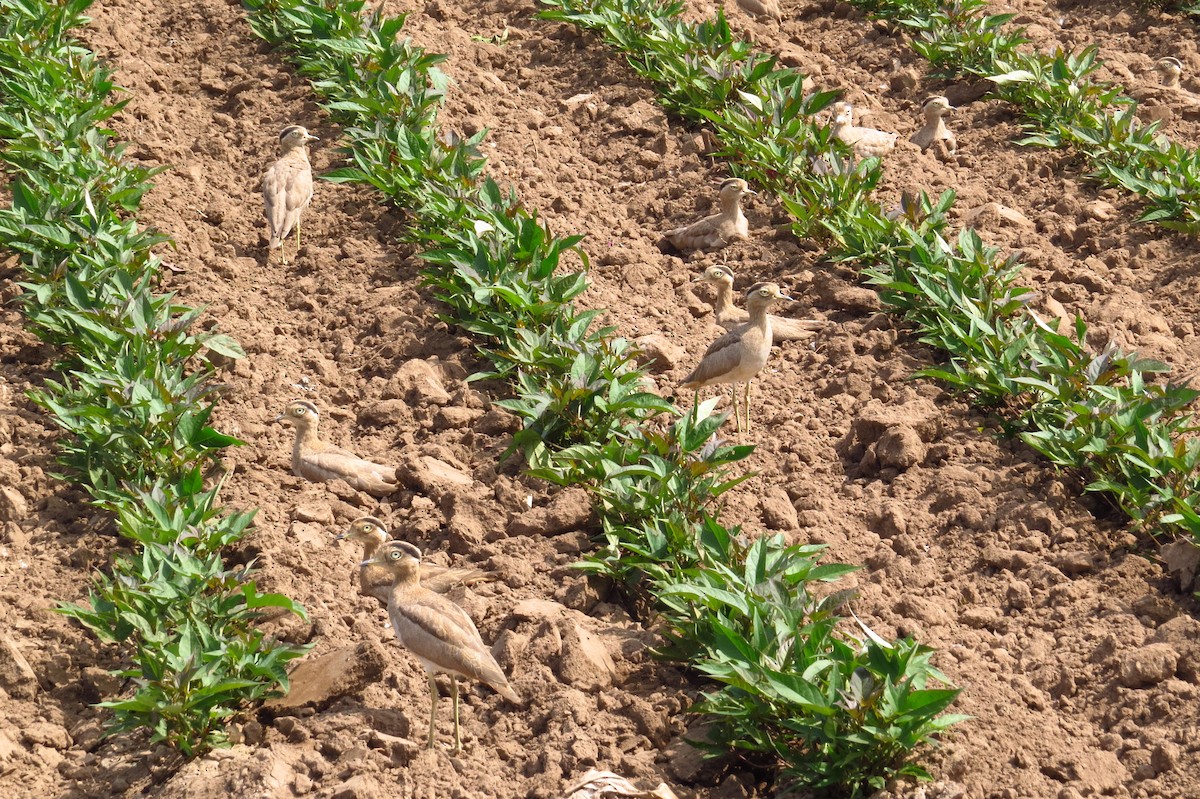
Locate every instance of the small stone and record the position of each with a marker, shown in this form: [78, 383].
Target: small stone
[13, 507]
[900, 448]
[313, 514]
[1075, 563]
[455, 417]
[584, 662]
[685, 761]
[319, 680]
[1182, 633]
[431, 476]
[1182, 558]
[1155, 608]
[658, 354]
[1019, 595]
[1165, 757]
[778, 513]
[421, 383]
[569, 509]
[386, 413]
[16, 676]
[44, 733]
[1148, 665]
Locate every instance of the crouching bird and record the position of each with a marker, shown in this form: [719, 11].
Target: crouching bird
[319, 461]
[438, 632]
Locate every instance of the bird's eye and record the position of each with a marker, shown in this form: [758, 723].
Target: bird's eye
[299, 411]
[395, 555]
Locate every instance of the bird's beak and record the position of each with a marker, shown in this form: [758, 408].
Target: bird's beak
[279, 418]
[340, 536]
[310, 137]
[750, 191]
[700, 279]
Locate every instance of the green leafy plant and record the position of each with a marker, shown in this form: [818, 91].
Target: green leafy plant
[135, 395]
[586, 419]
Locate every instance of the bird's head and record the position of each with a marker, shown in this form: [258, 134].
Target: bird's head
[365, 530]
[398, 557]
[717, 273]
[734, 188]
[294, 136]
[1169, 69]
[936, 106]
[765, 294]
[301, 413]
[843, 113]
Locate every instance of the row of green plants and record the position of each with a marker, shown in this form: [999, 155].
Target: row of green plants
[1109, 415]
[134, 391]
[1062, 104]
[800, 692]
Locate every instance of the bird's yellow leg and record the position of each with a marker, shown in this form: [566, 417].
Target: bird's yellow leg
[737, 417]
[746, 403]
[433, 697]
[297, 235]
[454, 693]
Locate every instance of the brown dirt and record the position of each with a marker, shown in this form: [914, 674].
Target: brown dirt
[1077, 654]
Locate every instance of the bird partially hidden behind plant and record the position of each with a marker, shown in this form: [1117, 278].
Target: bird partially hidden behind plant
[740, 354]
[438, 632]
[287, 188]
[730, 316]
[376, 581]
[319, 461]
[934, 131]
[865, 142]
[720, 229]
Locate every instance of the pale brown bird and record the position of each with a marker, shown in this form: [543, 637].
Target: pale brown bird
[761, 8]
[934, 130]
[316, 460]
[740, 354]
[375, 581]
[438, 632]
[1170, 70]
[865, 142]
[729, 316]
[287, 187]
[720, 229]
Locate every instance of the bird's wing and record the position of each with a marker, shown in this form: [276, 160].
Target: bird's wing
[433, 628]
[274, 190]
[300, 189]
[334, 463]
[720, 358]
[443, 578]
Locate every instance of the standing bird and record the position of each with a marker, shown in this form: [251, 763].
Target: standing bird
[729, 316]
[720, 229]
[741, 353]
[865, 142]
[316, 460]
[934, 130]
[287, 187]
[438, 632]
[376, 581]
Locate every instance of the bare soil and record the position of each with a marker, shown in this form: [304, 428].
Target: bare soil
[1078, 656]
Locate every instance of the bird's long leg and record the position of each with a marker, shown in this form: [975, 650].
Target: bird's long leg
[737, 418]
[746, 403]
[433, 697]
[297, 235]
[454, 693]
